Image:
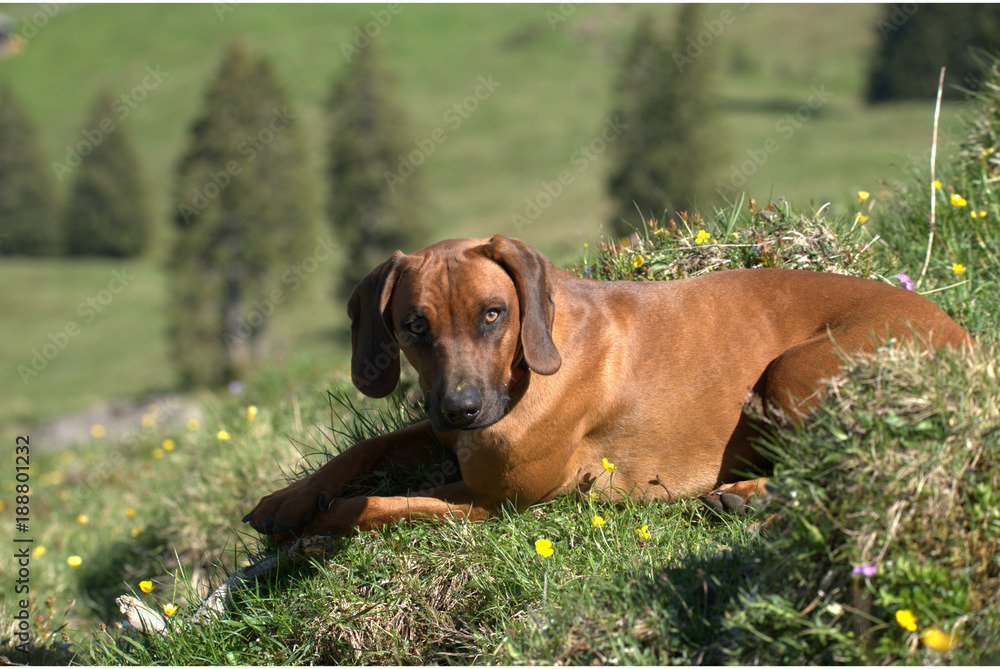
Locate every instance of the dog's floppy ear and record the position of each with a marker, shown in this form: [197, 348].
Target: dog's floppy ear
[532, 275]
[374, 351]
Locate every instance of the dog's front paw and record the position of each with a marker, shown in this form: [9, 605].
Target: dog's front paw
[724, 502]
[289, 510]
[738, 498]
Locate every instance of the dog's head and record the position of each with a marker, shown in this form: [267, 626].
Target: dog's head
[465, 312]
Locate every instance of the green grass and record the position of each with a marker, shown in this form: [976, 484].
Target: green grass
[93, 364]
[919, 433]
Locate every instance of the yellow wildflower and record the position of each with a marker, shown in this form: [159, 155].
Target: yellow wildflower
[637, 261]
[936, 184]
[168, 445]
[146, 586]
[643, 532]
[136, 532]
[597, 521]
[957, 200]
[193, 424]
[82, 519]
[702, 237]
[937, 639]
[74, 561]
[148, 420]
[38, 552]
[222, 435]
[978, 214]
[251, 413]
[544, 547]
[958, 268]
[130, 512]
[860, 218]
[607, 465]
[863, 196]
[51, 478]
[906, 619]
[169, 609]
[157, 453]
[97, 431]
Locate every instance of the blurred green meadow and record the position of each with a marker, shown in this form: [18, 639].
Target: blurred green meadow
[554, 68]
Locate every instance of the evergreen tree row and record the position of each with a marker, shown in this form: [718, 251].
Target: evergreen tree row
[106, 213]
[28, 215]
[244, 213]
[665, 100]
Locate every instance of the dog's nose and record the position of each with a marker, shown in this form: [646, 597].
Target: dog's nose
[462, 407]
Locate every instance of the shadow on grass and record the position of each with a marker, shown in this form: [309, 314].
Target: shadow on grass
[674, 616]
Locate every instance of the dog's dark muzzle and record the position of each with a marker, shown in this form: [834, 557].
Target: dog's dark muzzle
[465, 409]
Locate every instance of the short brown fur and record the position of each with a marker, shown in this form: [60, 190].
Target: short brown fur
[652, 376]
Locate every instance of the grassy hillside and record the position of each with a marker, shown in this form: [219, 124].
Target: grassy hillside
[555, 66]
[897, 474]
[882, 548]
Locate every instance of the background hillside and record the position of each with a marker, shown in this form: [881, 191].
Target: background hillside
[554, 65]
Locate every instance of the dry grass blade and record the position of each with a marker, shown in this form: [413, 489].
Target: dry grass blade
[930, 236]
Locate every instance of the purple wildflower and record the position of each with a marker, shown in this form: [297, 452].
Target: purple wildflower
[905, 280]
[864, 570]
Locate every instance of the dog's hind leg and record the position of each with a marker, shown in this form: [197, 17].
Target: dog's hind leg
[790, 388]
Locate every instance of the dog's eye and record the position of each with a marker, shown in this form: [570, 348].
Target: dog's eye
[417, 327]
[492, 315]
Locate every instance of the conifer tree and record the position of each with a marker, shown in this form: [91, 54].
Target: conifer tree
[916, 40]
[28, 218]
[664, 159]
[374, 174]
[244, 220]
[106, 214]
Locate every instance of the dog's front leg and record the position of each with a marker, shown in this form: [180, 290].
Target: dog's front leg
[293, 507]
[353, 514]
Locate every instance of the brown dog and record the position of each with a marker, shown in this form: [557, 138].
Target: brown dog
[533, 376]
